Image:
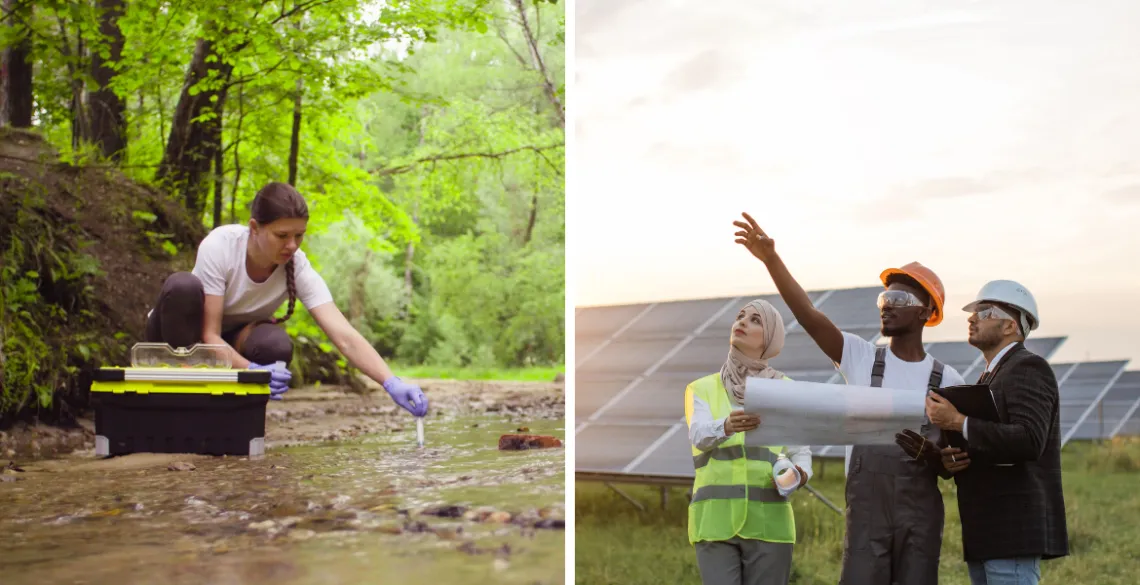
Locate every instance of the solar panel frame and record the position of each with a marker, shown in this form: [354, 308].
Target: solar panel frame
[655, 428]
[1130, 380]
[1098, 370]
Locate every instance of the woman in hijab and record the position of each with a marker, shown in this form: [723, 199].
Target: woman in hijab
[740, 525]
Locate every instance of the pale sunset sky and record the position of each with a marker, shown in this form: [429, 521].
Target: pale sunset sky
[985, 139]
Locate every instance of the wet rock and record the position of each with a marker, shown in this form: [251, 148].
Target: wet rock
[182, 466]
[196, 502]
[479, 514]
[265, 526]
[551, 524]
[12, 467]
[286, 510]
[10, 478]
[449, 533]
[526, 518]
[445, 511]
[499, 517]
[416, 526]
[390, 529]
[513, 442]
[301, 534]
[324, 524]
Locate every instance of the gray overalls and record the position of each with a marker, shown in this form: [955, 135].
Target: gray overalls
[894, 509]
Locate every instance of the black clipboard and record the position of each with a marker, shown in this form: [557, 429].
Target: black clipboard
[973, 401]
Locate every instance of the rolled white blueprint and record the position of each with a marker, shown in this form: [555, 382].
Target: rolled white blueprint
[810, 413]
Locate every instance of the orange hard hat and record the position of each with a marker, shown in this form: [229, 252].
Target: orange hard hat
[928, 280]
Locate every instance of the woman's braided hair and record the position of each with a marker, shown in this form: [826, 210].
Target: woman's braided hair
[280, 201]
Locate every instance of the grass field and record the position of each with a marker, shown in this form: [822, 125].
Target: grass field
[532, 374]
[617, 544]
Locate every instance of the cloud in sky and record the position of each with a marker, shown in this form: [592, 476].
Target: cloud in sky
[991, 139]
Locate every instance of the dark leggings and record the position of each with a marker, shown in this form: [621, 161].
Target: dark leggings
[177, 321]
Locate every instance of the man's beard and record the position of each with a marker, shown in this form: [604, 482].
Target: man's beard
[894, 331]
[985, 342]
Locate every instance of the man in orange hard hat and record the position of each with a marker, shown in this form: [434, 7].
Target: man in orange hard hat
[894, 509]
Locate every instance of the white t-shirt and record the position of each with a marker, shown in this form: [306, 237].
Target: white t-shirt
[221, 268]
[859, 358]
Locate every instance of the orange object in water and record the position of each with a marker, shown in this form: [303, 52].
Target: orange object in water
[928, 280]
[514, 442]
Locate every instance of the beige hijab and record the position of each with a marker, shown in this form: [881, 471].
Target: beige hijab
[738, 366]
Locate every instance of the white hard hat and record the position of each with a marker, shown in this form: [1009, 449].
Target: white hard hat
[1008, 292]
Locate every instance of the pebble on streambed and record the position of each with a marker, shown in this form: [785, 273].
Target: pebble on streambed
[519, 442]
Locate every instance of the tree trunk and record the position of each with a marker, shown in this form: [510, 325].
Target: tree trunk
[80, 124]
[16, 97]
[191, 146]
[538, 63]
[408, 264]
[108, 120]
[533, 217]
[295, 139]
[219, 184]
[356, 299]
[409, 289]
[237, 149]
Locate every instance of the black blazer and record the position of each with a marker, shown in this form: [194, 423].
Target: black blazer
[1010, 498]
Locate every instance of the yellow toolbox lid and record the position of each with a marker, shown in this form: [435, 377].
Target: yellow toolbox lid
[181, 380]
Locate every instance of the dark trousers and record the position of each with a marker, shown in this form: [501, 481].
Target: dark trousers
[177, 321]
[894, 520]
[739, 561]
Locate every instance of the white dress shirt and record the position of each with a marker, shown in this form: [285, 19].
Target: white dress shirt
[989, 368]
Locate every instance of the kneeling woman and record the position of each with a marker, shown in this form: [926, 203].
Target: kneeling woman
[242, 276]
[742, 528]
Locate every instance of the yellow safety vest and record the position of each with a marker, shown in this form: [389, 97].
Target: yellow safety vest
[733, 494]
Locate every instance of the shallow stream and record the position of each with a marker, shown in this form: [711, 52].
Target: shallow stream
[372, 509]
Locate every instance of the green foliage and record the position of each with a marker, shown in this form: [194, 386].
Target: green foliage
[45, 284]
[430, 152]
[617, 543]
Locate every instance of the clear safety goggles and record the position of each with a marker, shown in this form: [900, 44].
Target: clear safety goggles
[898, 298]
[986, 311]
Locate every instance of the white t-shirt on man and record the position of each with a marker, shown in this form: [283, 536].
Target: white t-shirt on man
[221, 268]
[859, 357]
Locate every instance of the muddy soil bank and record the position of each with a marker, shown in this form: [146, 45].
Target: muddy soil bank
[329, 413]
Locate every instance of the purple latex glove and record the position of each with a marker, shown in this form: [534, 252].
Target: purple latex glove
[409, 396]
[278, 379]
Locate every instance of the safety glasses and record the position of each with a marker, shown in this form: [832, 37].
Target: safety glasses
[898, 298]
[987, 311]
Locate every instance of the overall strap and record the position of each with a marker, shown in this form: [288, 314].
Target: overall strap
[880, 367]
[935, 376]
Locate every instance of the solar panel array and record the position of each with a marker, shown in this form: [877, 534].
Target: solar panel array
[634, 362]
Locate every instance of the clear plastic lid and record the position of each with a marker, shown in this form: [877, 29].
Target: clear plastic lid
[161, 355]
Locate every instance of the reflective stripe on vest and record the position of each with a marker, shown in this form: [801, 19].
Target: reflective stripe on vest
[728, 492]
[734, 452]
[733, 494]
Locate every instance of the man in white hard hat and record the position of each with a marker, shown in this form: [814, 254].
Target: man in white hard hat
[1009, 476]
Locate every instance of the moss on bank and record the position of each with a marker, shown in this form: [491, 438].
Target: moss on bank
[83, 252]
